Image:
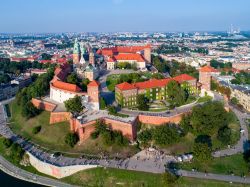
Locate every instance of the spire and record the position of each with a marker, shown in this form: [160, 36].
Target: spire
[76, 47]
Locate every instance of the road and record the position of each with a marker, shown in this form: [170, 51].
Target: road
[27, 176]
[212, 176]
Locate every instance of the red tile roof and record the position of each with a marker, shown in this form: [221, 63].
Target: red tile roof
[65, 86]
[208, 69]
[125, 86]
[135, 56]
[152, 83]
[183, 77]
[94, 83]
[121, 49]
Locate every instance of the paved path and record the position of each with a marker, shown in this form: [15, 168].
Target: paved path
[219, 177]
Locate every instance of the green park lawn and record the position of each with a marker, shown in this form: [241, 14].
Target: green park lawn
[223, 165]
[115, 177]
[111, 81]
[52, 137]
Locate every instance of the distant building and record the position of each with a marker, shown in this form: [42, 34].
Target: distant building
[241, 66]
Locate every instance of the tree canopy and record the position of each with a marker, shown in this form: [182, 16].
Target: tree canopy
[74, 104]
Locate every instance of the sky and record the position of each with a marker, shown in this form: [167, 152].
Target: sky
[122, 15]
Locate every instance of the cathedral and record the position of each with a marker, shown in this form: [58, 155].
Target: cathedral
[84, 61]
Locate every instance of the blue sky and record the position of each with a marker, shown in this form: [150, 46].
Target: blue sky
[123, 15]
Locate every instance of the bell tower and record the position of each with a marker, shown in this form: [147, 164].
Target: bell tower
[76, 52]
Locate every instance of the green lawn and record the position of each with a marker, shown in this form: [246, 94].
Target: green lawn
[223, 165]
[204, 99]
[111, 81]
[115, 177]
[52, 136]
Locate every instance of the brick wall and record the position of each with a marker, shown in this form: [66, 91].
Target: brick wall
[156, 120]
[43, 105]
[84, 130]
[56, 117]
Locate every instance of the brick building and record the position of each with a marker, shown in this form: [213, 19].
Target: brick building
[126, 93]
[205, 75]
[138, 55]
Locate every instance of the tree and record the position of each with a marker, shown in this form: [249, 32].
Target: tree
[36, 129]
[74, 105]
[145, 136]
[142, 102]
[29, 110]
[234, 101]
[224, 135]
[202, 152]
[103, 104]
[166, 134]
[185, 124]
[204, 139]
[208, 118]
[112, 110]
[16, 152]
[175, 94]
[246, 156]
[7, 142]
[72, 78]
[85, 83]
[71, 139]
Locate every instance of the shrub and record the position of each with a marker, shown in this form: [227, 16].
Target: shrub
[103, 104]
[94, 135]
[16, 152]
[107, 137]
[7, 142]
[71, 139]
[36, 129]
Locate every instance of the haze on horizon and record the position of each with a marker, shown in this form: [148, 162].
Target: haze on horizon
[122, 15]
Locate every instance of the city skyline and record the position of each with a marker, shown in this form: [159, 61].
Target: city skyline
[122, 15]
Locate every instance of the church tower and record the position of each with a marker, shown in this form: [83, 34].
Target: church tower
[76, 52]
[91, 57]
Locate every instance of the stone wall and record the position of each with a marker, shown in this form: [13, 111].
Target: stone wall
[43, 105]
[56, 117]
[56, 171]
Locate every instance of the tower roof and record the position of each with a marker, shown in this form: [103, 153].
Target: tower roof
[94, 83]
[208, 69]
